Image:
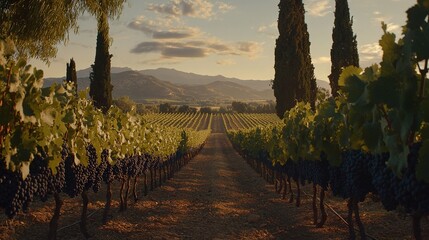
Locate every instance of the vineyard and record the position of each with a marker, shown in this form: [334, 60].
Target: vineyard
[372, 139]
[195, 121]
[237, 121]
[290, 164]
[55, 143]
[354, 165]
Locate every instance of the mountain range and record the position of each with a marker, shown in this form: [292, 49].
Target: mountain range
[172, 85]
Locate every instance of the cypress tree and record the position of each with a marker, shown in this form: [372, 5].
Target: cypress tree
[100, 86]
[71, 75]
[294, 79]
[344, 46]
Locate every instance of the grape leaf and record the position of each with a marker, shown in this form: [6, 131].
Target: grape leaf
[372, 135]
[25, 169]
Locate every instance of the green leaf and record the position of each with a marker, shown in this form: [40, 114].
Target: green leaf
[385, 91]
[352, 85]
[6, 115]
[69, 117]
[48, 116]
[391, 50]
[398, 154]
[347, 73]
[54, 161]
[25, 169]
[333, 154]
[372, 135]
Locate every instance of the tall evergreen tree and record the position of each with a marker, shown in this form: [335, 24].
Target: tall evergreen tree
[344, 46]
[71, 75]
[294, 79]
[100, 86]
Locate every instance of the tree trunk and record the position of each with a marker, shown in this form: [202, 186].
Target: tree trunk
[350, 206]
[84, 216]
[108, 203]
[298, 194]
[315, 210]
[53, 225]
[322, 209]
[417, 230]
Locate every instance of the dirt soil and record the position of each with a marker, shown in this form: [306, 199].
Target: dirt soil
[216, 196]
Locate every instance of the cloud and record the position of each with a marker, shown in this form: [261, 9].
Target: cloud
[177, 8]
[370, 52]
[251, 49]
[193, 49]
[226, 62]
[183, 52]
[171, 49]
[224, 7]
[220, 47]
[202, 9]
[322, 59]
[391, 27]
[318, 8]
[147, 47]
[270, 29]
[162, 28]
[171, 34]
[172, 39]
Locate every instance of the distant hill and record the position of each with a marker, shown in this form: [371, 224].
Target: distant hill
[323, 84]
[184, 78]
[170, 84]
[84, 73]
[140, 87]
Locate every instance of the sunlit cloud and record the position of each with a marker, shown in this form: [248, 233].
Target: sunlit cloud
[318, 8]
[224, 7]
[172, 39]
[195, 49]
[202, 9]
[322, 59]
[250, 48]
[270, 29]
[391, 27]
[183, 52]
[370, 52]
[162, 29]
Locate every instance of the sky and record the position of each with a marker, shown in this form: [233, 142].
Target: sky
[234, 38]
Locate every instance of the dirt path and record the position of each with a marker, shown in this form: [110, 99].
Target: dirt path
[218, 196]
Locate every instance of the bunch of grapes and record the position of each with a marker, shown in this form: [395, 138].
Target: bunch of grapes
[410, 193]
[100, 171]
[76, 177]
[321, 171]
[336, 181]
[292, 169]
[384, 181]
[306, 171]
[42, 176]
[358, 181]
